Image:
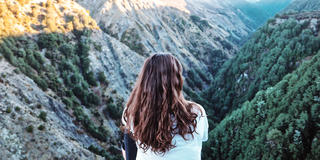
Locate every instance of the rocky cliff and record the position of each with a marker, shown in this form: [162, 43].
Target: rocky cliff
[35, 123]
[201, 34]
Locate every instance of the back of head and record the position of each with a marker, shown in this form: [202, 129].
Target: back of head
[156, 102]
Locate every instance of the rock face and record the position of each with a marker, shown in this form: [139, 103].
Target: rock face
[201, 34]
[21, 103]
[35, 124]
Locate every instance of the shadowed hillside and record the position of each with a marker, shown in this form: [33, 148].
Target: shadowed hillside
[277, 49]
[281, 122]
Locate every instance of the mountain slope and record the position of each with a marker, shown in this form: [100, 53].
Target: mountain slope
[50, 107]
[281, 122]
[185, 28]
[277, 49]
[260, 11]
[303, 5]
[24, 134]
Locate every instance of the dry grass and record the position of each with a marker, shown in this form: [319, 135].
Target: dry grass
[18, 17]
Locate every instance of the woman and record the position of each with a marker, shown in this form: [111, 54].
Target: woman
[163, 124]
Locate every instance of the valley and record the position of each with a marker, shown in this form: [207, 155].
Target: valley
[68, 67]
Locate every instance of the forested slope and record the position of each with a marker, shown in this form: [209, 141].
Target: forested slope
[275, 50]
[281, 122]
[266, 98]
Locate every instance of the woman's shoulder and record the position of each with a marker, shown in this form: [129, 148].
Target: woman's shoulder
[197, 108]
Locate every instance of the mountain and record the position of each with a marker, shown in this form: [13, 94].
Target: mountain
[68, 79]
[263, 103]
[66, 71]
[275, 50]
[281, 122]
[303, 5]
[202, 36]
[260, 11]
[42, 103]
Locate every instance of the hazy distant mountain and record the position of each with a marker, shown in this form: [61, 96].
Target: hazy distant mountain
[304, 5]
[260, 11]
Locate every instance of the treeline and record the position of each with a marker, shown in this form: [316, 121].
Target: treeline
[281, 122]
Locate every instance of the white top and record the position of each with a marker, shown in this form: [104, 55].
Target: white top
[185, 149]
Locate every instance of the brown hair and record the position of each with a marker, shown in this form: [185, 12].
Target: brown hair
[156, 109]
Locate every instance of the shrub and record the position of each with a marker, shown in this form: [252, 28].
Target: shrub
[29, 129]
[101, 77]
[98, 132]
[8, 110]
[80, 93]
[85, 64]
[16, 70]
[91, 79]
[7, 53]
[39, 57]
[75, 79]
[40, 82]
[93, 99]
[114, 111]
[49, 41]
[67, 49]
[33, 62]
[67, 102]
[43, 116]
[39, 106]
[17, 109]
[98, 47]
[195, 18]
[21, 52]
[41, 127]
[101, 152]
[84, 47]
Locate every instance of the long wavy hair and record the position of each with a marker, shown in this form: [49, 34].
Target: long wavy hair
[157, 109]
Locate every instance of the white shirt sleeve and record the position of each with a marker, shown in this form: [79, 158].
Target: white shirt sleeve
[202, 126]
[122, 117]
[205, 125]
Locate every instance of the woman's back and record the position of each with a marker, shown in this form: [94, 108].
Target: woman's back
[184, 149]
[162, 122]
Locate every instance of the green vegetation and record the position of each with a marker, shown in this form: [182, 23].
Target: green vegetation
[60, 63]
[17, 109]
[201, 23]
[43, 116]
[29, 129]
[8, 110]
[102, 78]
[281, 122]
[108, 30]
[104, 153]
[98, 132]
[114, 111]
[273, 52]
[101, 152]
[41, 127]
[132, 39]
